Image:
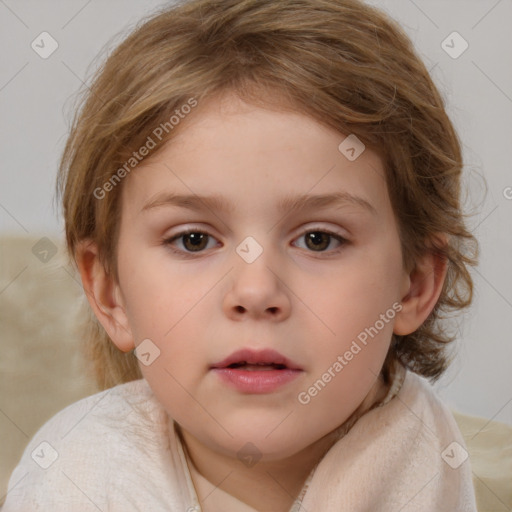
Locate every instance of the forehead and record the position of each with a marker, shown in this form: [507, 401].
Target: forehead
[248, 156]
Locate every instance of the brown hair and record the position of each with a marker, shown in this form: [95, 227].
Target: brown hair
[346, 64]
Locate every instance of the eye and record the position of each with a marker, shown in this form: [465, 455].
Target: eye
[319, 240]
[194, 241]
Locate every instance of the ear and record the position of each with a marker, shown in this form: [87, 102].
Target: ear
[104, 295]
[425, 284]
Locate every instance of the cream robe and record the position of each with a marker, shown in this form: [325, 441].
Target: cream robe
[114, 451]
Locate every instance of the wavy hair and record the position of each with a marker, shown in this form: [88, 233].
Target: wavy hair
[344, 63]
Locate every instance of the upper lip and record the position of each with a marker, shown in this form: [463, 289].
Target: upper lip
[249, 356]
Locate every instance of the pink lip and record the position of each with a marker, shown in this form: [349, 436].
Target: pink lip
[268, 356]
[252, 380]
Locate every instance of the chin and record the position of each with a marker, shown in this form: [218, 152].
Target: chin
[258, 443]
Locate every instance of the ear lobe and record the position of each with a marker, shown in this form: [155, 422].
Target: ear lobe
[104, 295]
[426, 284]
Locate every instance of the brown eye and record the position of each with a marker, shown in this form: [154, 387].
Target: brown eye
[191, 241]
[195, 241]
[319, 241]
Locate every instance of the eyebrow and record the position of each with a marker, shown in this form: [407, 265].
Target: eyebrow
[285, 205]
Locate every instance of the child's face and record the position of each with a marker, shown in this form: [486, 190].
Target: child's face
[307, 298]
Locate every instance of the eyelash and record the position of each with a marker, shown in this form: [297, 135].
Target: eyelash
[191, 254]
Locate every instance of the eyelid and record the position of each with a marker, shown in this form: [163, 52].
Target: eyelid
[331, 231]
[187, 231]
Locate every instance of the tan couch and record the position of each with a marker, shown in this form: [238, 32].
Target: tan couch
[42, 370]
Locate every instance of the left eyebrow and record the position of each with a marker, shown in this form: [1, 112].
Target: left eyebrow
[285, 205]
[322, 201]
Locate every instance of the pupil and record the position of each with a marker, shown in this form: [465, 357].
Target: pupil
[317, 238]
[195, 239]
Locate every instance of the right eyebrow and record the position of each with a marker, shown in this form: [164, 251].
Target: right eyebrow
[190, 201]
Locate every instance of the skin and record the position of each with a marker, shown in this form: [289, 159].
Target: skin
[309, 304]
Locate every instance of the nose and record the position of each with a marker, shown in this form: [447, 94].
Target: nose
[257, 291]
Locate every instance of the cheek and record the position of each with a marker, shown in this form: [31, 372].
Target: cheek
[182, 360]
[355, 294]
[172, 309]
[357, 312]
[347, 367]
[157, 295]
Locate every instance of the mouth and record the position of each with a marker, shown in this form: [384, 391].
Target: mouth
[244, 365]
[252, 360]
[256, 372]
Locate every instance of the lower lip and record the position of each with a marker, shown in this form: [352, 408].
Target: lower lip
[256, 381]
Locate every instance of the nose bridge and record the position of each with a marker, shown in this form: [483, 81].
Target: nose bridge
[256, 287]
[250, 250]
[254, 261]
